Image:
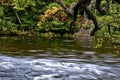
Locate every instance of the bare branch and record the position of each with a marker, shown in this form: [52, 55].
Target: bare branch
[67, 10]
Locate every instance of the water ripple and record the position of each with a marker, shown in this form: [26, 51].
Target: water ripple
[46, 69]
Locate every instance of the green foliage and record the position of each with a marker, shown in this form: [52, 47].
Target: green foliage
[112, 19]
[69, 2]
[54, 20]
[45, 16]
[20, 14]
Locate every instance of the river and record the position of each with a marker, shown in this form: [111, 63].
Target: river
[31, 58]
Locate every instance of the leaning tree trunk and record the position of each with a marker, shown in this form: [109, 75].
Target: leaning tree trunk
[83, 5]
[92, 17]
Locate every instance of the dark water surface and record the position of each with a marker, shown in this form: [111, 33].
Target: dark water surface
[30, 58]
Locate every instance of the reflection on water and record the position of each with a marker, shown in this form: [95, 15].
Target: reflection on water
[23, 58]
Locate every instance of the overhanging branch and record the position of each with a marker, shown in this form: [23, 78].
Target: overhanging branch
[67, 10]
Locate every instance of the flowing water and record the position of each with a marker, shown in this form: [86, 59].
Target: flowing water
[30, 58]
